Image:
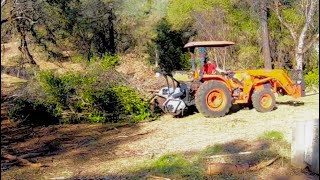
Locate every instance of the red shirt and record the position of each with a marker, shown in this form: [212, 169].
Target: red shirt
[209, 68]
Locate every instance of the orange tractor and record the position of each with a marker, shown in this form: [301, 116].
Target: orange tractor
[214, 94]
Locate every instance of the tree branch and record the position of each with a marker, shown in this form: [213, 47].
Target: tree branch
[309, 19]
[15, 18]
[311, 42]
[3, 2]
[283, 22]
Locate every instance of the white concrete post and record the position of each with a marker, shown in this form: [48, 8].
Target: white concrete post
[297, 146]
[305, 145]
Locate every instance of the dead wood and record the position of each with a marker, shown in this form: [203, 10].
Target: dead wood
[229, 155]
[151, 177]
[30, 155]
[19, 160]
[263, 164]
[219, 168]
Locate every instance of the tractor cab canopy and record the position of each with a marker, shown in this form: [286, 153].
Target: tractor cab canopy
[209, 44]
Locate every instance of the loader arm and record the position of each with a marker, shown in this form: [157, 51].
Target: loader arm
[279, 79]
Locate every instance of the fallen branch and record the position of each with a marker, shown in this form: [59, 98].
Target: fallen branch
[30, 155]
[157, 177]
[21, 161]
[263, 164]
[219, 168]
[228, 155]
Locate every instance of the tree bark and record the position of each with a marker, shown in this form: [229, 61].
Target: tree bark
[157, 57]
[24, 47]
[265, 34]
[303, 34]
[300, 42]
[3, 2]
[112, 46]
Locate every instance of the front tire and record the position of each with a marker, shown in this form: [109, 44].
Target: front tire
[263, 100]
[213, 99]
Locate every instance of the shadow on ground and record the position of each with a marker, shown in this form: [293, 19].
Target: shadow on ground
[78, 143]
[192, 165]
[291, 103]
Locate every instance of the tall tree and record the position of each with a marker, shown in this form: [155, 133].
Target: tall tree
[22, 21]
[86, 27]
[303, 36]
[3, 2]
[265, 34]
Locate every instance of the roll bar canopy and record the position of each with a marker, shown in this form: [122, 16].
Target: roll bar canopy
[209, 44]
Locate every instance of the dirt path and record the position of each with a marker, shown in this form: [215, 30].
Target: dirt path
[89, 150]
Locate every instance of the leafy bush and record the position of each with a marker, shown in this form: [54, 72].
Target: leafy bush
[312, 77]
[97, 63]
[60, 88]
[106, 61]
[132, 103]
[34, 112]
[91, 98]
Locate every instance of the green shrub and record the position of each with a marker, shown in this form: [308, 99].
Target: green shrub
[78, 58]
[312, 77]
[35, 112]
[59, 88]
[109, 61]
[132, 103]
[91, 99]
[106, 61]
[96, 117]
[185, 61]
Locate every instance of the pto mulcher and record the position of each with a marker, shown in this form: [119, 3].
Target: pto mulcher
[214, 94]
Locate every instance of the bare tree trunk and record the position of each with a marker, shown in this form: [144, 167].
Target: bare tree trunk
[299, 60]
[24, 47]
[3, 2]
[265, 34]
[112, 46]
[157, 57]
[301, 41]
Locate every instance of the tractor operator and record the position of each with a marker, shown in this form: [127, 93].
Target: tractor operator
[205, 66]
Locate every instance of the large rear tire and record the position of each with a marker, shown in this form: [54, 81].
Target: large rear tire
[213, 99]
[263, 100]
